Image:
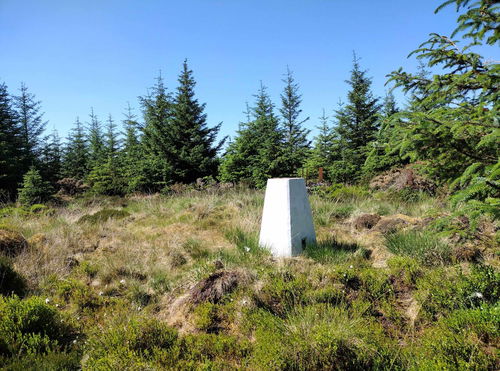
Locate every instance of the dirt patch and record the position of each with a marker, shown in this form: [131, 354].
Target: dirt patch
[399, 179]
[390, 225]
[405, 300]
[366, 221]
[215, 287]
[12, 243]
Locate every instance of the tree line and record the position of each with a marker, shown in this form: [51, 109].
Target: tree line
[448, 124]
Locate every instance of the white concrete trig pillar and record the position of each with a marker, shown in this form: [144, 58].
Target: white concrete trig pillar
[287, 225]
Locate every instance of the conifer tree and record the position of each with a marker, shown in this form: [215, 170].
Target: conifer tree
[256, 154]
[95, 140]
[106, 177]
[76, 157]
[34, 189]
[357, 125]
[51, 160]
[192, 150]
[296, 145]
[31, 122]
[12, 156]
[132, 154]
[325, 146]
[454, 128]
[155, 139]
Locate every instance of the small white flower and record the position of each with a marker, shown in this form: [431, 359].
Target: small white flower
[101, 293]
[247, 249]
[351, 266]
[74, 341]
[139, 308]
[122, 282]
[57, 305]
[47, 301]
[477, 295]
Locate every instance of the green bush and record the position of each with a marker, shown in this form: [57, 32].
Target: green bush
[29, 326]
[344, 193]
[421, 245]
[462, 341]
[281, 292]
[321, 337]
[103, 216]
[11, 282]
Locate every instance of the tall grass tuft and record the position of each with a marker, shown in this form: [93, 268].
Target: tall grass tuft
[421, 245]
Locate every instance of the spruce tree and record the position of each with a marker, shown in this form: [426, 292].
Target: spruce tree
[132, 156]
[192, 150]
[31, 122]
[256, 154]
[155, 139]
[76, 157]
[95, 140]
[296, 145]
[51, 159]
[357, 125]
[324, 148]
[34, 189]
[453, 129]
[12, 156]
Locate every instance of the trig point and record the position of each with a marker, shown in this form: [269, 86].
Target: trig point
[287, 225]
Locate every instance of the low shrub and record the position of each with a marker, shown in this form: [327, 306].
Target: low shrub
[321, 337]
[103, 216]
[344, 193]
[30, 326]
[11, 282]
[11, 243]
[421, 245]
[463, 341]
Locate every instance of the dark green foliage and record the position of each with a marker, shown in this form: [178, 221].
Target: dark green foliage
[192, 149]
[31, 123]
[51, 158]
[296, 145]
[325, 147]
[95, 141]
[256, 154]
[11, 282]
[76, 156]
[157, 111]
[12, 156]
[34, 190]
[357, 125]
[453, 123]
[104, 215]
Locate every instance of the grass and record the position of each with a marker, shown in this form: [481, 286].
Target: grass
[118, 286]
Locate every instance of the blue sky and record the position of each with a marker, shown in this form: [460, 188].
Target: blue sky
[75, 54]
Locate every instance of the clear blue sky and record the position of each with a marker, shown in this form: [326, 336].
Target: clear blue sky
[78, 54]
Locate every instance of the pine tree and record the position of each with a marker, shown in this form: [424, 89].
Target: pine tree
[385, 149]
[453, 128]
[51, 159]
[133, 154]
[31, 121]
[95, 140]
[192, 151]
[357, 125]
[296, 145]
[12, 156]
[76, 157]
[157, 111]
[256, 154]
[325, 146]
[34, 189]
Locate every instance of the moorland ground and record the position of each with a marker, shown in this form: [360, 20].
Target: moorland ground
[179, 282]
